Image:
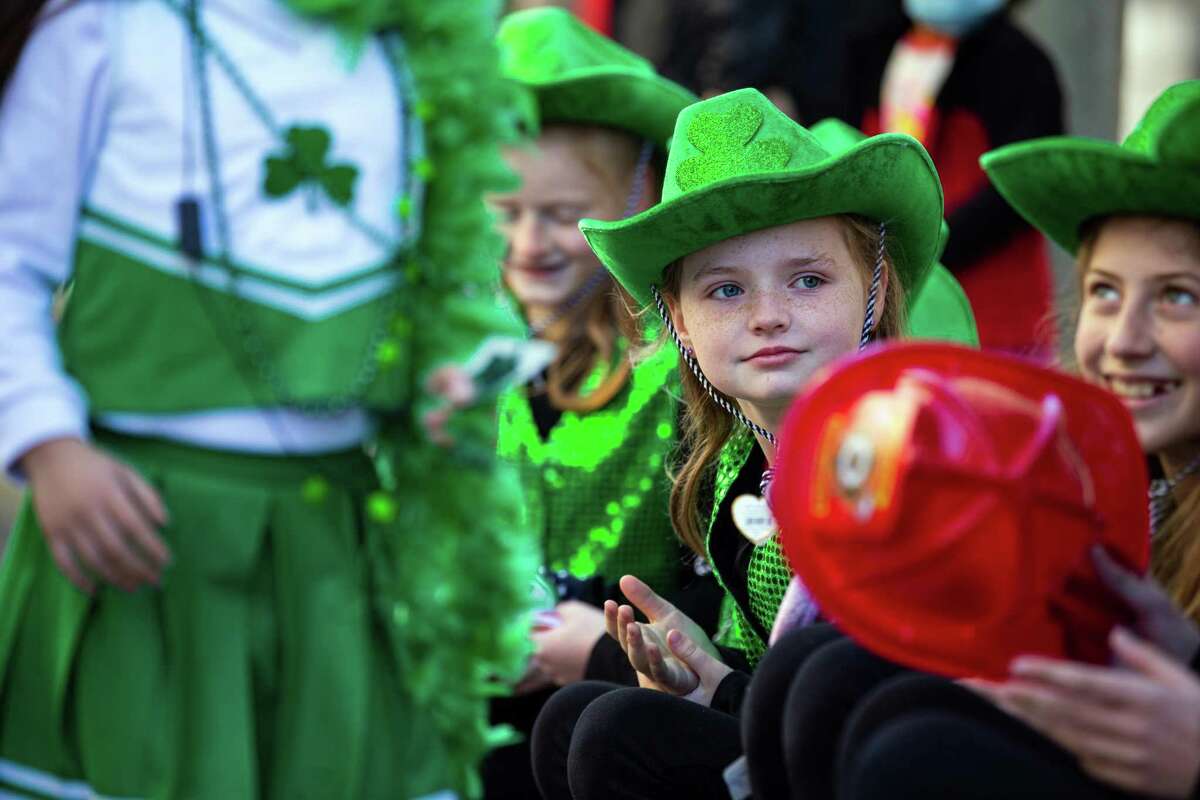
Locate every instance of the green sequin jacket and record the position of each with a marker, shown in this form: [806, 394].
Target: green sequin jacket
[596, 488]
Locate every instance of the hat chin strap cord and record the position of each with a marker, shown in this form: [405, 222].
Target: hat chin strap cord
[689, 357]
[596, 279]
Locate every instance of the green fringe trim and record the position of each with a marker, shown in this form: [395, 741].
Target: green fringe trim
[464, 559]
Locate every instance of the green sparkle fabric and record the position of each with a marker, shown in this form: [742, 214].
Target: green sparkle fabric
[596, 488]
[767, 575]
[724, 142]
[1059, 183]
[738, 164]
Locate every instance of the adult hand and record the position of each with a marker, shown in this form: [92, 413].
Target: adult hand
[98, 516]
[562, 652]
[1157, 619]
[1136, 728]
[670, 652]
[453, 386]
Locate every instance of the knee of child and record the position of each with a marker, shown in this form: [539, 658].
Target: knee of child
[609, 737]
[558, 718]
[899, 761]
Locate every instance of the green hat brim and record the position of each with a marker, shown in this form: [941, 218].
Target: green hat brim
[888, 178]
[615, 97]
[1060, 183]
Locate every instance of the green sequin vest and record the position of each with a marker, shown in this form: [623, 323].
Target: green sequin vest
[596, 487]
[768, 573]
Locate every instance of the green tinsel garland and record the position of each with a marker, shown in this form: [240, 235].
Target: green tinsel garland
[463, 556]
[459, 560]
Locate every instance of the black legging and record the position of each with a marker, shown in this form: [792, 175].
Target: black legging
[920, 736]
[763, 708]
[600, 740]
[806, 687]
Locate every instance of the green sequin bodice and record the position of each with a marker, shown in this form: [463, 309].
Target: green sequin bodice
[767, 575]
[596, 487]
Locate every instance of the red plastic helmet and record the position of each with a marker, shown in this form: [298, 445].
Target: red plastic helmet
[940, 504]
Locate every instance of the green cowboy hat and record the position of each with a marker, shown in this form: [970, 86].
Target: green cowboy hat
[1059, 183]
[939, 309]
[739, 164]
[579, 75]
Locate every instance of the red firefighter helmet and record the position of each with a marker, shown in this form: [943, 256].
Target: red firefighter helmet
[940, 504]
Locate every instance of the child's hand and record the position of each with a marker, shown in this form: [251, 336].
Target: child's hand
[562, 652]
[670, 652]
[534, 680]
[98, 515]
[1157, 619]
[454, 387]
[1135, 726]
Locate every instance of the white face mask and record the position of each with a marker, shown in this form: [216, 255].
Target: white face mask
[953, 17]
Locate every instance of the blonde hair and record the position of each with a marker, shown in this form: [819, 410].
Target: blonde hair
[601, 320]
[1175, 551]
[706, 427]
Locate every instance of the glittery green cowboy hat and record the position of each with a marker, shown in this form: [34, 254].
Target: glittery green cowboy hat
[939, 309]
[578, 75]
[1059, 183]
[738, 164]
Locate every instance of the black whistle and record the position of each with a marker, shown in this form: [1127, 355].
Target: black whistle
[187, 221]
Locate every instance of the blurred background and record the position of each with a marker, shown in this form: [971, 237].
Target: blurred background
[1111, 57]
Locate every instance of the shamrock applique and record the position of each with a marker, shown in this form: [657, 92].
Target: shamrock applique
[305, 162]
[726, 149]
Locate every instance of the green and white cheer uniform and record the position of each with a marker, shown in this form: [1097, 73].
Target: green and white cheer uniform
[314, 635]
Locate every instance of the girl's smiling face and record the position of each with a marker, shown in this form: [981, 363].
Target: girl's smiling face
[766, 310]
[568, 174]
[1139, 327]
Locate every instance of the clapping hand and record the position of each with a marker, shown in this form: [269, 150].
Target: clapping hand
[670, 652]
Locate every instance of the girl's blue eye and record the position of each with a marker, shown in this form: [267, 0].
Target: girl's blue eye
[1179, 297]
[810, 281]
[1103, 291]
[727, 290]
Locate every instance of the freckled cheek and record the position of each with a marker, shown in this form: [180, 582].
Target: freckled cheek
[831, 324]
[712, 330]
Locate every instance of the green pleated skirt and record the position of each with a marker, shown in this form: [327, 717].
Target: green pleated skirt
[259, 669]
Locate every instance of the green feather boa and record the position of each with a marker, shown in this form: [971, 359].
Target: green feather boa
[456, 560]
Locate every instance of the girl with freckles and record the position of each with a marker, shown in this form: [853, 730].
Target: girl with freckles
[1131, 215]
[591, 435]
[773, 253]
